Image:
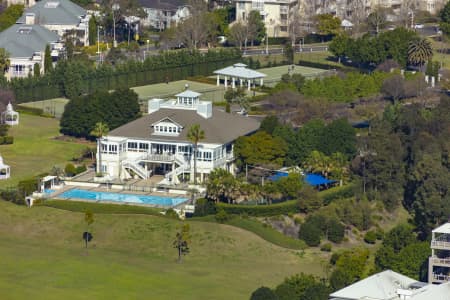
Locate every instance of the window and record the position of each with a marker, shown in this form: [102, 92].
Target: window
[143, 147]
[112, 149]
[165, 128]
[207, 156]
[170, 129]
[132, 146]
[283, 28]
[104, 148]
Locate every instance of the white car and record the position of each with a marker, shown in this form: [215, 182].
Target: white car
[419, 26]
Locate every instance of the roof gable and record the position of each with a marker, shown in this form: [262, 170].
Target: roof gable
[167, 119]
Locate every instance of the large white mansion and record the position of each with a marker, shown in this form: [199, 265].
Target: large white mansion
[157, 143]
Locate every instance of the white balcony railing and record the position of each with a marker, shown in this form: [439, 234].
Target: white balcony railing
[442, 261]
[440, 244]
[441, 277]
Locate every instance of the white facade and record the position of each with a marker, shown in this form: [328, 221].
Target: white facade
[275, 14]
[162, 19]
[163, 149]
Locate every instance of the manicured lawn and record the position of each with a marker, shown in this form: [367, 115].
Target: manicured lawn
[35, 150]
[164, 90]
[131, 257]
[274, 74]
[53, 107]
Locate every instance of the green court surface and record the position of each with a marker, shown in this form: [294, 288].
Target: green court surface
[274, 74]
[167, 90]
[54, 107]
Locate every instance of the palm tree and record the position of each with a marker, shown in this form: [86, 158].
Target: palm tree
[195, 135]
[419, 52]
[101, 129]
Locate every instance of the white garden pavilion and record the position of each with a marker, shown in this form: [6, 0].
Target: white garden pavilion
[239, 72]
[4, 170]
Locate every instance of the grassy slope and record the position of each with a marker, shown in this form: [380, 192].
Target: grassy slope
[35, 150]
[131, 257]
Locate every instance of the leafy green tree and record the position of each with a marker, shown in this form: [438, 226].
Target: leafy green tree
[420, 51]
[260, 149]
[88, 219]
[221, 185]
[70, 170]
[328, 24]
[294, 287]
[269, 124]
[10, 15]
[289, 53]
[317, 291]
[238, 34]
[92, 30]
[36, 70]
[263, 293]
[195, 135]
[349, 268]
[444, 25]
[99, 131]
[203, 207]
[310, 233]
[182, 240]
[339, 45]
[412, 261]
[237, 96]
[255, 27]
[48, 65]
[4, 61]
[290, 185]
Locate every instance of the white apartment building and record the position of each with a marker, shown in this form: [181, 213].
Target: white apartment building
[275, 13]
[157, 143]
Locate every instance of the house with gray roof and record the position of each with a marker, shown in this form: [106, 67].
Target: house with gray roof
[390, 285]
[59, 16]
[162, 14]
[158, 143]
[25, 45]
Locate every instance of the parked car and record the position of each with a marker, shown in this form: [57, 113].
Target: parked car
[419, 26]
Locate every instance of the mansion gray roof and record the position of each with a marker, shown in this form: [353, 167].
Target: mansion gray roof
[22, 40]
[220, 128]
[162, 4]
[55, 12]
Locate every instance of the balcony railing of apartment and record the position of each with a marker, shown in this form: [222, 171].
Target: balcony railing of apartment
[441, 277]
[442, 241]
[159, 157]
[442, 261]
[19, 73]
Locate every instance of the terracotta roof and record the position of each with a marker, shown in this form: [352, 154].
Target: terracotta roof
[221, 128]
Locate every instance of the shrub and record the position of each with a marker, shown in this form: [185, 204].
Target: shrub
[370, 237]
[27, 187]
[326, 247]
[222, 216]
[8, 140]
[334, 258]
[70, 170]
[2, 140]
[203, 207]
[30, 110]
[263, 293]
[80, 169]
[261, 210]
[12, 196]
[310, 234]
[333, 194]
[171, 213]
[336, 231]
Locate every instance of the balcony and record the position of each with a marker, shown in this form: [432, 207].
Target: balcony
[440, 261]
[440, 278]
[440, 244]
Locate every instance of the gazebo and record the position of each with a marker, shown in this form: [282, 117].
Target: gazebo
[9, 116]
[241, 73]
[5, 172]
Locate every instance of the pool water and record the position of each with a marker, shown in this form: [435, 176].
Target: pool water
[119, 197]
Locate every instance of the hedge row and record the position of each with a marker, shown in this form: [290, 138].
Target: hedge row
[336, 193]
[317, 65]
[6, 140]
[283, 208]
[30, 110]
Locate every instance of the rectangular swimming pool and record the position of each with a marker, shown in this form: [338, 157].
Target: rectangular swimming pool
[119, 197]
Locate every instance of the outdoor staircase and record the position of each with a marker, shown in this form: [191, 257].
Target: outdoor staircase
[136, 168]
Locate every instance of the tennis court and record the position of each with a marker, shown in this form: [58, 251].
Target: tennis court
[54, 107]
[274, 74]
[166, 90]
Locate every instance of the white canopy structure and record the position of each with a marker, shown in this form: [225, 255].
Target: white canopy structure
[239, 72]
[9, 116]
[346, 24]
[5, 171]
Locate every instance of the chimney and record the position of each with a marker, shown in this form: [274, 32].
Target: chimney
[204, 109]
[30, 19]
[154, 105]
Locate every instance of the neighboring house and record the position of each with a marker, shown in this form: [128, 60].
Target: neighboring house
[26, 3]
[25, 45]
[162, 14]
[157, 143]
[275, 14]
[389, 285]
[59, 16]
[439, 262]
